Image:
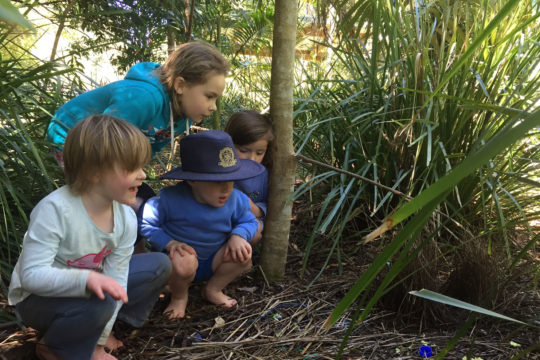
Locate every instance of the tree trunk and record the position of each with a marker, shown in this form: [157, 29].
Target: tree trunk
[278, 221]
[190, 5]
[61, 26]
[171, 38]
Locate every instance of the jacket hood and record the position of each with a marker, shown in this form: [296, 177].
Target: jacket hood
[145, 72]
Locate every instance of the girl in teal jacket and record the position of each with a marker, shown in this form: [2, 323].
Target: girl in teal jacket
[160, 100]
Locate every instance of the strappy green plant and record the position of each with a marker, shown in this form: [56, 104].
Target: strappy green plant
[29, 94]
[404, 102]
[435, 99]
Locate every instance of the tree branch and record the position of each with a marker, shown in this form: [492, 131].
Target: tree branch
[330, 167]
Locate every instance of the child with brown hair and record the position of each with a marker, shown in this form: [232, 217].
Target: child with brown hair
[76, 273]
[160, 100]
[252, 135]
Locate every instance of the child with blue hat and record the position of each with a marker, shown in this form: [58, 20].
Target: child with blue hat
[203, 222]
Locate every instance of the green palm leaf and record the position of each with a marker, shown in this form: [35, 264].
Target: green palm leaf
[443, 299]
[9, 13]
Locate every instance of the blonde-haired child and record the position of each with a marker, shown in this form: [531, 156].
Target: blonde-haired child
[76, 274]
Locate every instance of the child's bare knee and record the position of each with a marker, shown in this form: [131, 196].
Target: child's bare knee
[185, 266]
[247, 264]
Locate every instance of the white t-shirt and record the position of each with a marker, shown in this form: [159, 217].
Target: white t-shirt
[62, 245]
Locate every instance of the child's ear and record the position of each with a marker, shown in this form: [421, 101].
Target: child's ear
[95, 177]
[179, 85]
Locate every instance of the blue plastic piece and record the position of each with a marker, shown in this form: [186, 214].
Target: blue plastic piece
[425, 351]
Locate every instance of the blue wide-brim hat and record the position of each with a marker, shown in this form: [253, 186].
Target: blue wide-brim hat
[211, 156]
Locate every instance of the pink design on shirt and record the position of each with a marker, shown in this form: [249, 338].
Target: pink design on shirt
[90, 261]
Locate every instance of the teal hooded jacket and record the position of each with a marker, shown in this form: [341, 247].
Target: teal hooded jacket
[139, 98]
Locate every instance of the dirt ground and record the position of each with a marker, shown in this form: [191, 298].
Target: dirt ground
[285, 321]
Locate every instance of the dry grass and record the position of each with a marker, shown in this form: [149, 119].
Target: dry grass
[285, 321]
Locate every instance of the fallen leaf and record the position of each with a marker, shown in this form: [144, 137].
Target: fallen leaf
[219, 322]
[248, 289]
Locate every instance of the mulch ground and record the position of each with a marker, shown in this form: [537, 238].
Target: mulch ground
[285, 321]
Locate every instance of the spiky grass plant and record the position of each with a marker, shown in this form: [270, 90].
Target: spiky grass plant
[414, 90]
[29, 95]
[423, 87]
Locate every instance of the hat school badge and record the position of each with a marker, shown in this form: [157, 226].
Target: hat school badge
[210, 156]
[226, 157]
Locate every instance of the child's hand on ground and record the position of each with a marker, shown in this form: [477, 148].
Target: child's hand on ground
[100, 284]
[237, 249]
[181, 248]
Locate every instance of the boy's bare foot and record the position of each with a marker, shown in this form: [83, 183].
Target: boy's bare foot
[101, 354]
[177, 307]
[218, 298]
[113, 343]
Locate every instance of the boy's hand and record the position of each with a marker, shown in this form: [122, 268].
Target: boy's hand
[100, 284]
[181, 248]
[237, 249]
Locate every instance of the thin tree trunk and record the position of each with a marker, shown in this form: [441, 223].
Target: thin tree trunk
[217, 114]
[278, 221]
[171, 38]
[190, 5]
[60, 29]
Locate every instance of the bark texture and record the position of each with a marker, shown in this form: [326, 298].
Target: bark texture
[282, 174]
